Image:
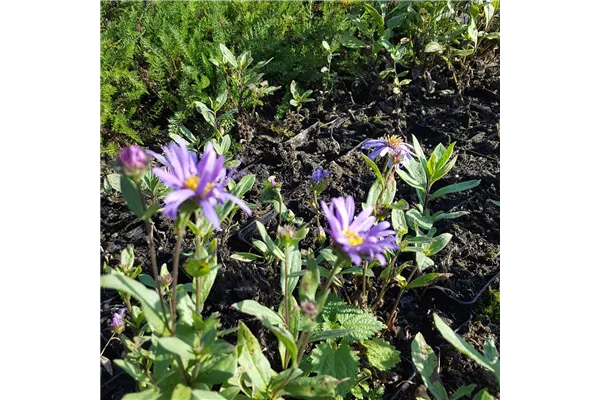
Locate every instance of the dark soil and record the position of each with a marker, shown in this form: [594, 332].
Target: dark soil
[363, 112]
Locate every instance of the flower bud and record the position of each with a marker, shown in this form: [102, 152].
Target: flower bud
[310, 309]
[133, 161]
[117, 324]
[321, 236]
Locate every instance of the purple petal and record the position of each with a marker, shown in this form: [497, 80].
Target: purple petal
[342, 213]
[211, 214]
[240, 203]
[167, 178]
[159, 157]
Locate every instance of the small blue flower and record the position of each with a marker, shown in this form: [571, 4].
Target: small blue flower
[393, 146]
[319, 175]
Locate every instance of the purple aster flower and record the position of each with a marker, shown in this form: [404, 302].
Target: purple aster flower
[133, 160]
[202, 181]
[397, 149]
[319, 175]
[272, 181]
[357, 236]
[117, 320]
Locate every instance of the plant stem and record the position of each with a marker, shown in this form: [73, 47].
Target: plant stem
[325, 292]
[364, 285]
[175, 276]
[385, 180]
[286, 295]
[392, 317]
[106, 345]
[426, 199]
[198, 293]
[375, 305]
[150, 237]
[280, 206]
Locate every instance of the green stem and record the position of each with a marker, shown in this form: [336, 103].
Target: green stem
[286, 296]
[154, 264]
[175, 277]
[385, 180]
[375, 304]
[336, 269]
[426, 199]
[198, 293]
[280, 206]
[364, 285]
[392, 317]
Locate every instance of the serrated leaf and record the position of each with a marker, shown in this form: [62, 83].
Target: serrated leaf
[259, 311]
[339, 362]
[329, 334]
[426, 363]
[381, 354]
[454, 188]
[362, 324]
[465, 348]
[437, 244]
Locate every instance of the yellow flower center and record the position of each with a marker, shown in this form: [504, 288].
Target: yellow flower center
[207, 189]
[393, 141]
[192, 182]
[353, 237]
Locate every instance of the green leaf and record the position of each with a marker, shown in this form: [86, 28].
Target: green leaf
[284, 336]
[416, 169]
[259, 311]
[351, 41]
[176, 346]
[362, 324]
[465, 348]
[454, 188]
[310, 280]
[431, 165]
[488, 10]
[326, 45]
[132, 369]
[437, 244]
[329, 334]
[433, 47]
[313, 387]
[181, 392]
[423, 262]
[260, 245]
[218, 369]
[377, 19]
[241, 188]
[490, 352]
[426, 363]
[150, 394]
[206, 395]
[148, 298]
[245, 257]
[381, 354]
[132, 196]
[463, 391]
[483, 395]
[399, 222]
[442, 215]
[252, 361]
[374, 193]
[340, 362]
[114, 180]
[228, 55]
[423, 280]
[295, 265]
[423, 221]
[206, 285]
[445, 155]
[276, 251]
[207, 113]
[374, 167]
